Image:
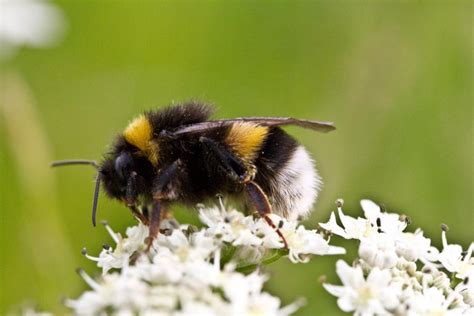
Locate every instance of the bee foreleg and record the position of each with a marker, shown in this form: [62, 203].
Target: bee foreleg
[131, 190]
[260, 201]
[159, 194]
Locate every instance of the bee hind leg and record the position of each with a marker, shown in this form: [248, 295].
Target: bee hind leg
[260, 201]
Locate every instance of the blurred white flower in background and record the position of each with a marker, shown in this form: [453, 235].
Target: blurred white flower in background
[31, 23]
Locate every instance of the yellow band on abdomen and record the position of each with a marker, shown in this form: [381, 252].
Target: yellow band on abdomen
[246, 139]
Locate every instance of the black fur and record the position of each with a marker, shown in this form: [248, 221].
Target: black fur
[169, 118]
[276, 151]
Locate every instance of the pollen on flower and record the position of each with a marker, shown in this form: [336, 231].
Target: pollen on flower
[365, 294]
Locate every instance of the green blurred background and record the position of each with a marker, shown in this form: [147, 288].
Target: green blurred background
[395, 77]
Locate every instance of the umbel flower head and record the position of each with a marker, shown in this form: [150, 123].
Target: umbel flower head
[196, 272]
[398, 272]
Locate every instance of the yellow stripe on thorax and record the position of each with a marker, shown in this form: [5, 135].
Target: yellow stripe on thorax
[139, 133]
[246, 139]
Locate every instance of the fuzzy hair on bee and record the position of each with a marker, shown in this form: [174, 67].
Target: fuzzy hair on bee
[179, 155]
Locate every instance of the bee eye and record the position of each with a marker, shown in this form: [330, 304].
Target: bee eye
[124, 164]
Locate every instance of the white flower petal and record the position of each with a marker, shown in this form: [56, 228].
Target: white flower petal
[371, 210]
[346, 304]
[350, 276]
[335, 290]
[333, 227]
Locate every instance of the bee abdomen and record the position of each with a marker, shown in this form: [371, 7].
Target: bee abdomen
[296, 186]
[286, 173]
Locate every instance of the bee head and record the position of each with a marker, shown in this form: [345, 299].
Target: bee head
[126, 176]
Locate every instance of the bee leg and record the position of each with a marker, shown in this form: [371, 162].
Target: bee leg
[165, 178]
[232, 166]
[131, 197]
[142, 217]
[159, 194]
[260, 201]
[153, 224]
[146, 214]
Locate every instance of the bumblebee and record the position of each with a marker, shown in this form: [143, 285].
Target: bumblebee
[178, 155]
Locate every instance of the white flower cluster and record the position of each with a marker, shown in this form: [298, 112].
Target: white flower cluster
[254, 237]
[398, 272]
[196, 272]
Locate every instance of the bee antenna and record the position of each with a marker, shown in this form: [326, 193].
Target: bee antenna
[96, 198]
[93, 163]
[60, 163]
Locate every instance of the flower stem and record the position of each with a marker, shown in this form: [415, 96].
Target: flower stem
[251, 267]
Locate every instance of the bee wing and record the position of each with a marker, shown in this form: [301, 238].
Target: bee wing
[323, 127]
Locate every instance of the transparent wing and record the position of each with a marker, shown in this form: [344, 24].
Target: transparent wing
[318, 126]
